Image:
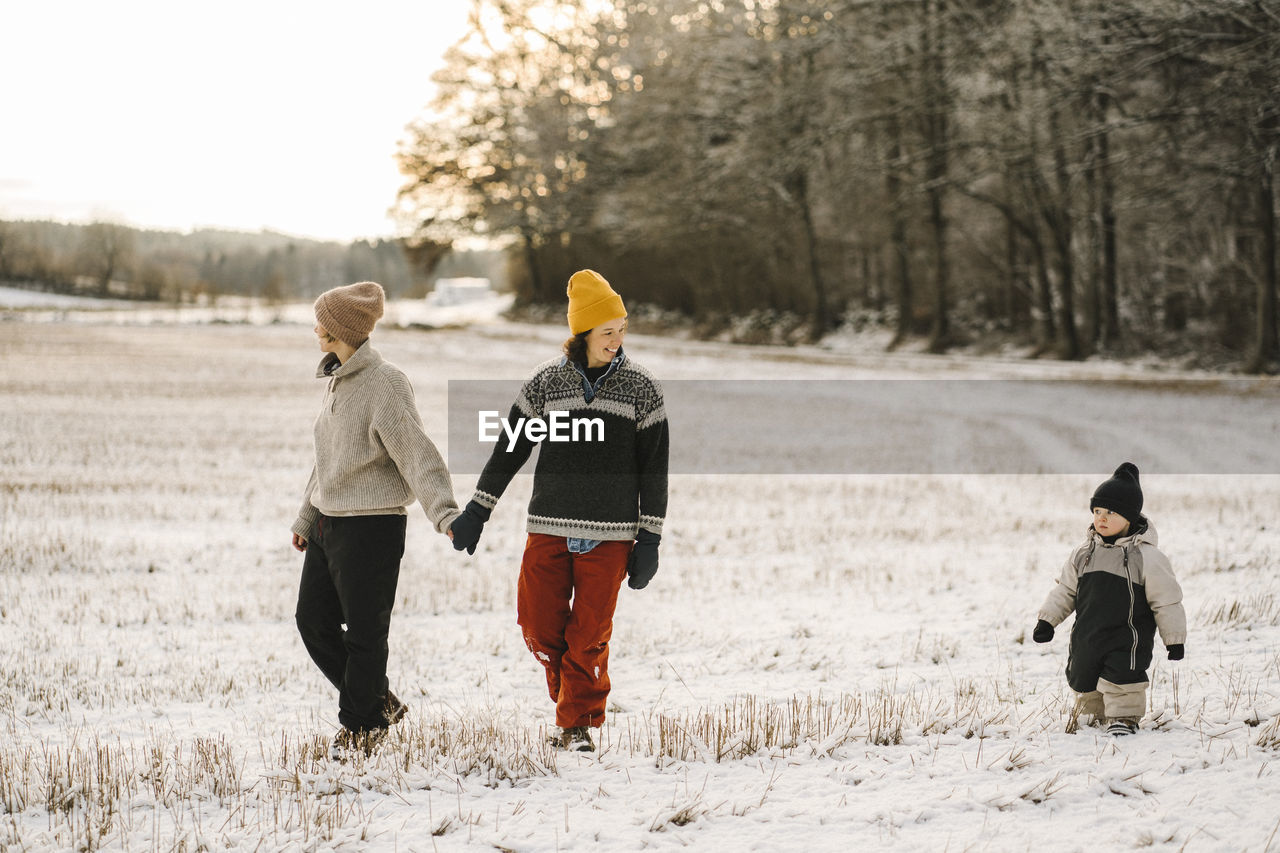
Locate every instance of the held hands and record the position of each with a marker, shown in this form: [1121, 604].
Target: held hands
[643, 562]
[1043, 632]
[1175, 651]
[466, 528]
[299, 544]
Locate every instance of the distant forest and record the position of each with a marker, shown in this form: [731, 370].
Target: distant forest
[1094, 176]
[112, 260]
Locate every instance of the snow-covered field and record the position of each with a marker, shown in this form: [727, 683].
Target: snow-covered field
[822, 663]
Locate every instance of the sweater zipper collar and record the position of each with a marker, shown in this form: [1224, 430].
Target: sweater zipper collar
[363, 357]
[589, 389]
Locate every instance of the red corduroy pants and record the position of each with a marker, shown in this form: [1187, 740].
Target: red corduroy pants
[564, 606]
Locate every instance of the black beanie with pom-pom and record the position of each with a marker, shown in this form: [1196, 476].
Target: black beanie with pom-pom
[1121, 493]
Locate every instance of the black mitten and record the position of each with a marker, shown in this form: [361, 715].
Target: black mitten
[1043, 632]
[643, 562]
[468, 527]
[1175, 651]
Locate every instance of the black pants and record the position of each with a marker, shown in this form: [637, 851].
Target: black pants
[349, 578]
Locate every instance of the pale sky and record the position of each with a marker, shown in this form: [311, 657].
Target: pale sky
[242, 114]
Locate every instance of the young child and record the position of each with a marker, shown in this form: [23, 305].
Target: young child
[1122, 588]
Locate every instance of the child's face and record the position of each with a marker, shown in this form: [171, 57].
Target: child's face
[1109, 523]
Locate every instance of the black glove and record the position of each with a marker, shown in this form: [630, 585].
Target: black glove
[1175, 651]
[643, 562]
[468, 527]
[1043, 632]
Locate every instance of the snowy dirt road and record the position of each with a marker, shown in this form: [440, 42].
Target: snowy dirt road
[824, 661]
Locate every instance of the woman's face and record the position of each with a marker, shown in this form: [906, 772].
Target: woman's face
[604, 341]
[327, 341]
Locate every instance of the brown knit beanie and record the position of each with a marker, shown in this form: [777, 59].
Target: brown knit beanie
[349, 313]
[592, 301]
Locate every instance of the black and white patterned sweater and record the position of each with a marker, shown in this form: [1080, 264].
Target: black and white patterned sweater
[599, 489]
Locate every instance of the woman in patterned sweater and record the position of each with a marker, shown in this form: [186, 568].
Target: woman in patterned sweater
[597, 508]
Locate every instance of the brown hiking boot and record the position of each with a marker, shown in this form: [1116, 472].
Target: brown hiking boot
[573, 739]
[346, 744]
[393, 710]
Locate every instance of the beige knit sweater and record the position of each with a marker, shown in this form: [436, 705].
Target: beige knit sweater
[372, 455]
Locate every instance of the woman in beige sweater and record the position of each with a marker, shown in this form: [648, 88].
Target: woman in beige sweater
[373, 460]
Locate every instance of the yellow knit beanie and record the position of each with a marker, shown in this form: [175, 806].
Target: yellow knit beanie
[592, 301]
[350, 313]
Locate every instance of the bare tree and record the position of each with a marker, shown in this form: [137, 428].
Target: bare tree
[106, 251]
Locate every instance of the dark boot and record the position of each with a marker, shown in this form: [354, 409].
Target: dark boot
[393, 710]
[346, 744]
[1122, 726]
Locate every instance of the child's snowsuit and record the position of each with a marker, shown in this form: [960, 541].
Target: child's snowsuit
[1121, 593]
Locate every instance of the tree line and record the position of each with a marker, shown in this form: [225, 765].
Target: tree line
[109, 259]
[1085, 176]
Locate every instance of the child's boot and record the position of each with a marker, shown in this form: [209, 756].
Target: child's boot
[1125, 704]
[1121, 726]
